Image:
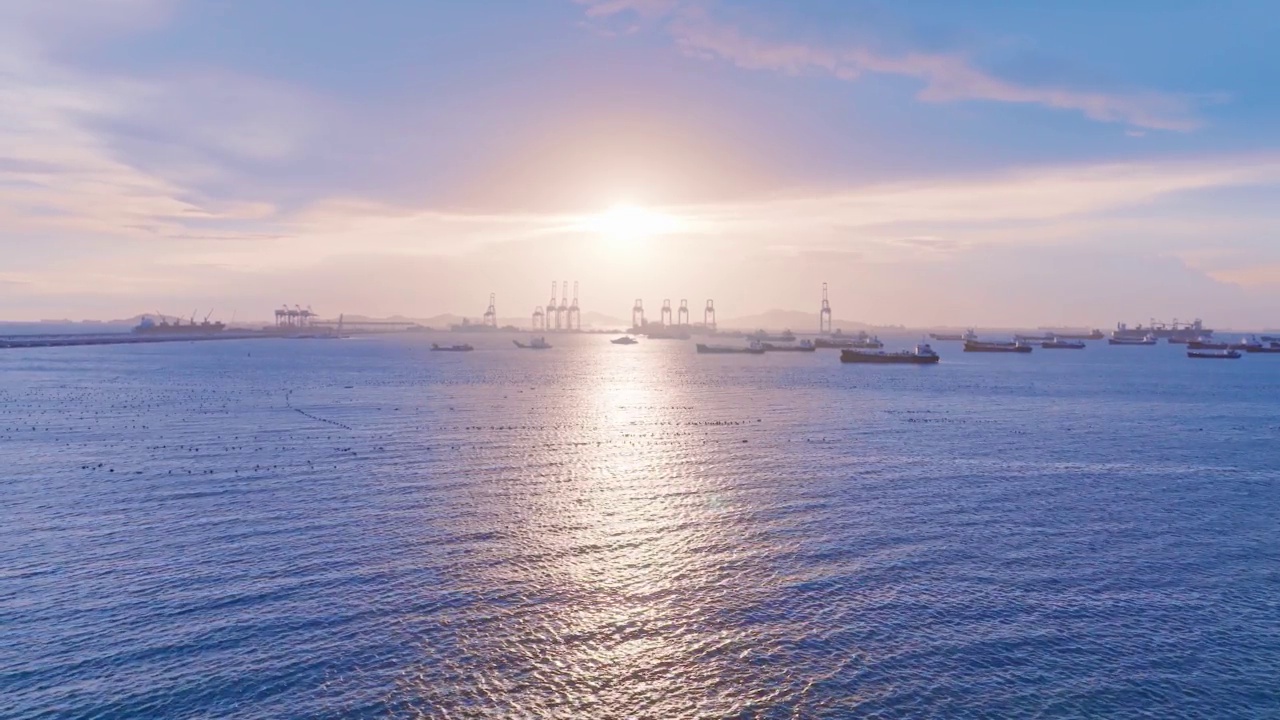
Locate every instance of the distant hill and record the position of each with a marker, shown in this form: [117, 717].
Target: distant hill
[793, 320]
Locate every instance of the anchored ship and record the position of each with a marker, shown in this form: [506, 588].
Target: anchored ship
[1174, 332]
[922, 355]
[996, 347]
[148, 326]
[754, 348]
[968, 335]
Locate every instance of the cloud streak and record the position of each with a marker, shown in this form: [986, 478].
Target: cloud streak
[695, 29]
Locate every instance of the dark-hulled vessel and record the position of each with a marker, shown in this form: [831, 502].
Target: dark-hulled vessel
[1147, 339]
[996, 347]
[464, 347]
[149, 326]
[1061, 344]
[1214, 354]
[922, 355]
[802, 346]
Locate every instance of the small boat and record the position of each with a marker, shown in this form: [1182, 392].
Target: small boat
[996, 347]
[1214, 354]
[625, 340]
[451, 348]
[922, 355]
[538, 343]
[1125, 340]
[1060, 344]
[803, 346]
[752, 349]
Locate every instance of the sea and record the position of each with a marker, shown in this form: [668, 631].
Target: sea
[363, 528]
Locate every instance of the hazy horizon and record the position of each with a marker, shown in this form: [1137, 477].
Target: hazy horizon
[937, 165]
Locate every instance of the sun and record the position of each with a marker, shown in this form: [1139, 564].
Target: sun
[630, 224]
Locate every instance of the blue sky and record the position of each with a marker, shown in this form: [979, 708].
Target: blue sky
[936, 162]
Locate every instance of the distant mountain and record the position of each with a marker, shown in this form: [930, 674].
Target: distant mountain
[793, 320]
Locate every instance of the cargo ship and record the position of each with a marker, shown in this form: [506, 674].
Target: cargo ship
[464, 347]
[996, 347]
[1214, 354]
[1208, 344]
[149, 326]
[859, 341]
[762, 336]
[802, 346]
[955, 337]
[752, 349]
[1073, 333]
[1147, 339]
[1174, 332]
[1061, 344]
[922, 355]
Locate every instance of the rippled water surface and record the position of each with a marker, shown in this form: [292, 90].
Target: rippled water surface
[362, 528]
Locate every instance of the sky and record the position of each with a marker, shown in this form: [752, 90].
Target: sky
[935, 162]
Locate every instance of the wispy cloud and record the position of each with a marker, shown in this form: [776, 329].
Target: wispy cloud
[697, 30]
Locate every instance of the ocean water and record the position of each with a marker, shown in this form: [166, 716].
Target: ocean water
[363, 528]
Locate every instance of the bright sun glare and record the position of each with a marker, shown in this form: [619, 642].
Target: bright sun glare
[627, 224]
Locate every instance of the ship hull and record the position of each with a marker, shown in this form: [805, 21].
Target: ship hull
[996, 347]
[711, 350]
[866, 358]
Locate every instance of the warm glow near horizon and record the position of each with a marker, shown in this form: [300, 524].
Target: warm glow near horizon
[624, 226]
[191, 154]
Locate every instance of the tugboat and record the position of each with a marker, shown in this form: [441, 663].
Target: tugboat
[1060, 344]
[754, 348]
[464, 347]
[538, 343]
[1214, 354]
[1128, 340]
[804, 346]
[996, 347]
[922, 355]
[625, 340]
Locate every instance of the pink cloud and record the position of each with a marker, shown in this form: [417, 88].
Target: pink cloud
[946, 77]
